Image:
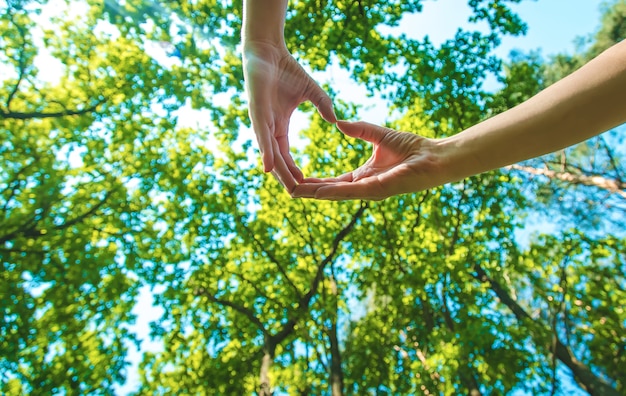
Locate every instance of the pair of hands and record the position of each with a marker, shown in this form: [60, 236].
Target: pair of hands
[401, 162]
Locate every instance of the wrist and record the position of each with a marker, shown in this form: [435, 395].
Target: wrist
[264, 22]
[256, 46]
[455, 158]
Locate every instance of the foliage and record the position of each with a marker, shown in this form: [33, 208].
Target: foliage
[107, 187]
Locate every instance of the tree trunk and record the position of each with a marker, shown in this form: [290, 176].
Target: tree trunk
[265, 389]
[583, 374]
[336, 373]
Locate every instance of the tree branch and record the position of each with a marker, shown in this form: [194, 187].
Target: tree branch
[613, 186]
[15, 183]
[336, 372]
[418, 210]
[41, 115]
[273, 259]
[236, 307]
[88, 213]
[555, 320]
[304, 302]
[434, 375]
[21, 62]
[614, 163]
[445, 310]
[256, 288]
[28, 228]
[300, 234]
[583, 375]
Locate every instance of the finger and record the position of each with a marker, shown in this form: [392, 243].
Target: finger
[306, 190]
[322, 102]
[363, 130]
[283, 173]
[291, 165]
[264, 135]
[285, 178]
[283, 146]
[346, 177]
[368, 189]
[336, 191]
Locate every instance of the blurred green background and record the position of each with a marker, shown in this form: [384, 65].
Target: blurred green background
[143, 250]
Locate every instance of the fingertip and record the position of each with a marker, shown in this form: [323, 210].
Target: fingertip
[333, 114]
[297, 174]
[293, 168]
[326, 110]
[341, 125]
[363, 130]
[348, 128]
[325, 194]
[283, 148]
[304, 190]
[350, 125]
[284, 175]
[268, 164]
[346, 191]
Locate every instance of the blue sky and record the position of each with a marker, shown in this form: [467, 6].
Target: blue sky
[553, 26]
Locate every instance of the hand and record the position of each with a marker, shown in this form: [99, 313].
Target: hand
[401, 162]
[276, 85]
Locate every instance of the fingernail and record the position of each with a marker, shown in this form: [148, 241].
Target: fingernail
[295, 194]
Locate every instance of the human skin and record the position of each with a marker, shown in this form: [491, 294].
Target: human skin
[586, 103]
[276, 85]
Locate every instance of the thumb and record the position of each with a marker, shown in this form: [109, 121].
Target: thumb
[363, 130]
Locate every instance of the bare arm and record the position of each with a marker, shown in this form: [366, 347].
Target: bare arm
[588, 102]
[264, 20]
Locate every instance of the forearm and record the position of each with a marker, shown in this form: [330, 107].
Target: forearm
[588, 102]
[264, 21]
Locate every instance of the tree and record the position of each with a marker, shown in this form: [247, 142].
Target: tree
[105, 190]
[84, 160]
